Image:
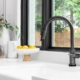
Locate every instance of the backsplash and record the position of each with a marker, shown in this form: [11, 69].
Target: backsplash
[53, 57]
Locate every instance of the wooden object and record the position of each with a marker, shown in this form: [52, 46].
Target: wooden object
[27, 52]
[26, 58]
[1, 56]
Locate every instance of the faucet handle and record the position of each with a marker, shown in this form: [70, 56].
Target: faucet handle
[75, 55]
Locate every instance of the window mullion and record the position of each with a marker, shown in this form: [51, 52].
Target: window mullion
[24, 22]
[46, 14]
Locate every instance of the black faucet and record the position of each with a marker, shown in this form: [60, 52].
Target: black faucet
[73, 55]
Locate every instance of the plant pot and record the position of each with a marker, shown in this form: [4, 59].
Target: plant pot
[4, 39]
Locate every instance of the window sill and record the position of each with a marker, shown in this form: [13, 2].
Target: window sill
[61, 49]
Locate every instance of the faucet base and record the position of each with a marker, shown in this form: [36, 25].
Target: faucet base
[72, 65]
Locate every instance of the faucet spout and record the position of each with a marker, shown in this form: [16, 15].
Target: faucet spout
[44, 31]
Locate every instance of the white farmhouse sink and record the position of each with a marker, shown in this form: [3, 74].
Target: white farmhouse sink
[19, 70]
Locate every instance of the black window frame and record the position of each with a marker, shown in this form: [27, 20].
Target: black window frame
[24, 22]
[46, 14]
[24, 18]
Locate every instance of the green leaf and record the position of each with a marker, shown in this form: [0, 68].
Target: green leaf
[11, 28]
[0, 35]
[17, 27]
[16, 32]
[6, 21]
[19, 36]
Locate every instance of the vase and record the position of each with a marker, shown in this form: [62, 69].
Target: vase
[4, 39]
[12, 47]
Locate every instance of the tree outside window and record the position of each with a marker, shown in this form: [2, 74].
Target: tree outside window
[69, 9]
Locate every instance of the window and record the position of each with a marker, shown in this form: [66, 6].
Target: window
[34, 22]
[69, 9]
[34, 13]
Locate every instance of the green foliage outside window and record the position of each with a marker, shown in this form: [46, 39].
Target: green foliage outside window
[38, 15]
[67, 8]
[38, 22]
[70, 9]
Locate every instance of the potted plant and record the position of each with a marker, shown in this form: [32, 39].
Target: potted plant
[5, 24]
[4, 33]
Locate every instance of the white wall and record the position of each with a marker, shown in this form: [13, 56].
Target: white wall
[18, 20]
[11, 10]
[12, 14]
[1, 7]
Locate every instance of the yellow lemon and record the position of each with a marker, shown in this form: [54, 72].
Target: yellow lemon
[24, 47]
[31, 46]
[19, 47]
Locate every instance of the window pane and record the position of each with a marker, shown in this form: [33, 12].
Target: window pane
[35, 22]
[69, 9]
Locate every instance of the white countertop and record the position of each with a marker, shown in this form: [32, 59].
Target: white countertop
[19, 70]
